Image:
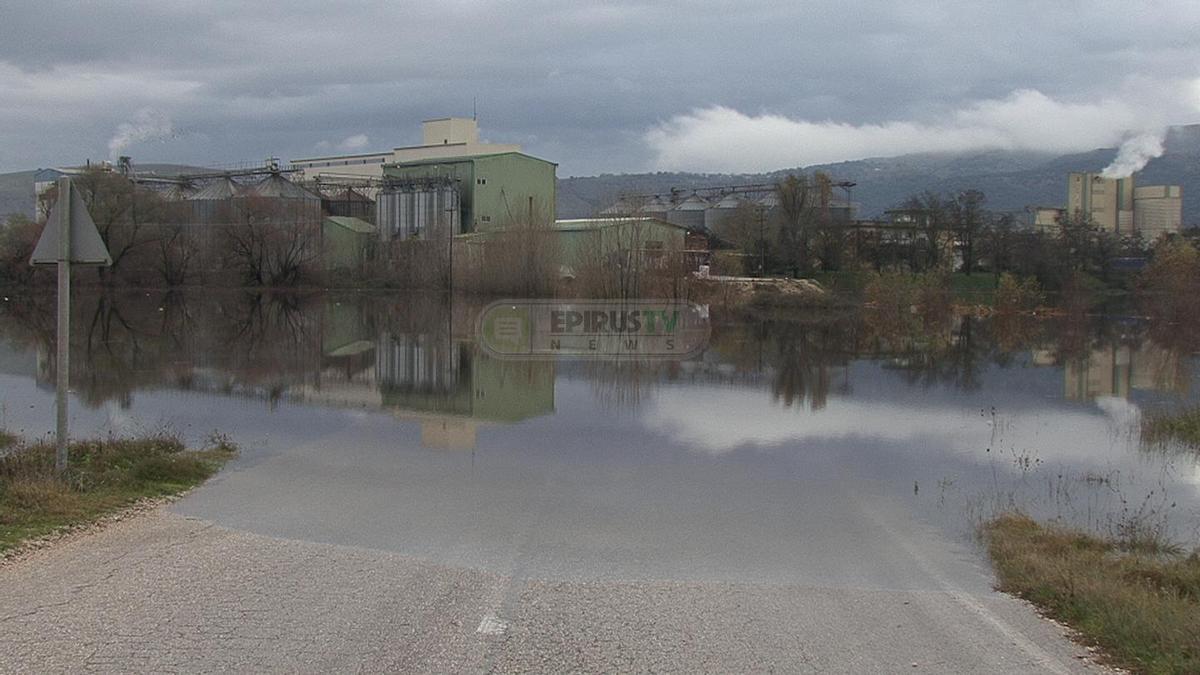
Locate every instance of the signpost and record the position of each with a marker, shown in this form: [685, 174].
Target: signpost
[69, 238]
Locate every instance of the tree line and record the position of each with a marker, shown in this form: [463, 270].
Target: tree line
[154, 241]
[802, 230]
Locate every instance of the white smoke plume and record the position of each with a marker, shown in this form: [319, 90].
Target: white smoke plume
[1133, 155]
[148, 124]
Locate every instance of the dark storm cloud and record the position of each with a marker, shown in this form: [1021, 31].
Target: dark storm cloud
[594, 86]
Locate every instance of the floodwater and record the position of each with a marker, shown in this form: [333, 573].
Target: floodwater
[378, 421]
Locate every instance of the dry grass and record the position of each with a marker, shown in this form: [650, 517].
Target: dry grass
[103, 476]
[1140, 604]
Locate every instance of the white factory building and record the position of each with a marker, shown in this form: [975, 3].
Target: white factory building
[443, 137]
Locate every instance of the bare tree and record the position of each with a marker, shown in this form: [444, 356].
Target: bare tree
[124, 214]
[967, 218]
[795, 221]
[276, 243]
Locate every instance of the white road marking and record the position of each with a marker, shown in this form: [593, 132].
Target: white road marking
[492, 625]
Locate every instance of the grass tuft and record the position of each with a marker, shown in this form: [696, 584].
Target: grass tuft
[1182, 427]
[1142, 608]
[102, 476]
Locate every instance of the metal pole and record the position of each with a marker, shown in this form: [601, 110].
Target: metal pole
[64, 320]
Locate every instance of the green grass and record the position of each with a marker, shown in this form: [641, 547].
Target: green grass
[1140, 604]
[102, 477]
[1183, 427]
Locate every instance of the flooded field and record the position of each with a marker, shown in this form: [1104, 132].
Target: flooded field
[782, 453]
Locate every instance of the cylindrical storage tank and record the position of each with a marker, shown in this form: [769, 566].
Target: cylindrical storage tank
[689, 213]
[385, 214]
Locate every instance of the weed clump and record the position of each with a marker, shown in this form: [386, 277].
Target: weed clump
[1183, 427]
[101, 476]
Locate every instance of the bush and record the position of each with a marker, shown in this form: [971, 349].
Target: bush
[1017, 295]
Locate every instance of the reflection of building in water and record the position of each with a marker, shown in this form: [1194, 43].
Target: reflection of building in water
[452, 390]
[425, 376]
[1120, 369]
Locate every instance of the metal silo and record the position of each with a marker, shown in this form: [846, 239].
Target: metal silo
[689, 213]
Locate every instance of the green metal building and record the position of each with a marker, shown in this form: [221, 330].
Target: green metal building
[493, 191]
[588, 237]
[348, 243]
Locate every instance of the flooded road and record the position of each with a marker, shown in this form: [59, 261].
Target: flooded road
[837, 458]
[380, 422]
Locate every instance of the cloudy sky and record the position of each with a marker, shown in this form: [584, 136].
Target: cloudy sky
[597, 87]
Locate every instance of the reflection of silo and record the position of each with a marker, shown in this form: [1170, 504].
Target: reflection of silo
[689, 213]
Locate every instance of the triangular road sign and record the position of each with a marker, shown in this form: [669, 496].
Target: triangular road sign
[87, 247]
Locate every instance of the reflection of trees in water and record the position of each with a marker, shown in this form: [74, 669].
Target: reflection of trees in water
[263, 345]
[955, 358]
[796, 357]
[124, 342]
[626, 383]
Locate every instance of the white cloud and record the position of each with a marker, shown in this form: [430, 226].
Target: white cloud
[355, 142]
[719, 138]
[348, 144]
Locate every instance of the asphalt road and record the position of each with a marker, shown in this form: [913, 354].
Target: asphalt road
[165, 592]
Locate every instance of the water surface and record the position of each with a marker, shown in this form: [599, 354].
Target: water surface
[779, 454]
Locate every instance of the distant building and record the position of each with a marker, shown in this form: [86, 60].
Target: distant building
[1046, 218]
[1157, 209]
[1118, 206]
[440, 138]
[584, 240]
[43, 180]
[1107, 202]
[478, 193]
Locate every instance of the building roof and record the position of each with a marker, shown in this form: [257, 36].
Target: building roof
[220, 188]
[464, 158]
[357, 225]
[585, 224]
[381, 153]
[279, 187]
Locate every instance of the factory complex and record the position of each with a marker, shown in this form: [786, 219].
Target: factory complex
[354, 213]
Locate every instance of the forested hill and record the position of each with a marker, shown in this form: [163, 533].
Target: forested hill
[1011, 180]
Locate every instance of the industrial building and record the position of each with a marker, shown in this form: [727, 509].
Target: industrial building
[424, 199]
[711, 210]
[582, 239]
[440, 138]
[1157, 209]
[1119, 206]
